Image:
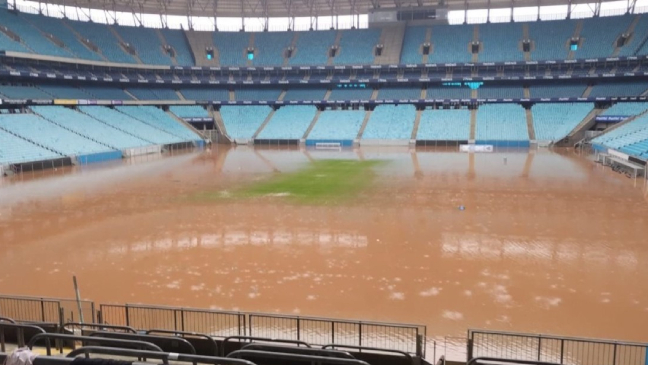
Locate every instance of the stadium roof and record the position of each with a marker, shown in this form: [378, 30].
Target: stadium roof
[295, 8]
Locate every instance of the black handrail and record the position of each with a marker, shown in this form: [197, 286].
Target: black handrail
[20, 334]
[471, 332]
[185, 333]
[252, 338]
[475, 361]
[103, 341]
[7, 319]
[298, 350]
[295, 357]
[164, 356]
[145, 338]
[98, 326]
[377, 349]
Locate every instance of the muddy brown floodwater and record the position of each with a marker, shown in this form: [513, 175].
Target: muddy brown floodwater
[549, 242]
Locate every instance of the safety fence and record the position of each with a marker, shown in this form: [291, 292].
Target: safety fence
[51, 310]
[317, 331]
[554, 349]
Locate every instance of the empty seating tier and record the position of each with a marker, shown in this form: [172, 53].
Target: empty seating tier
[89, 127]
[337, 125]
[288, 122]
[312, 48]
[501, 122]
[40, 131]
[626, 109]
[553, 121]
[189, 111]
[241, 122]
[130, 125]
[391, 122]
[444, 125]
[14, 149]
[157, 118]
[357, 46]
[630, 138]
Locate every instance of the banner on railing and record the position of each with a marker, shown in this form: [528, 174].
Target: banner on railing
[610, 118]
[205, 80]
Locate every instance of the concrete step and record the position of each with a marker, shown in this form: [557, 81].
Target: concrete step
[368, 114]
[415, 128]
[530, 125]
[474, 114]
[313, 122]
[261, 127]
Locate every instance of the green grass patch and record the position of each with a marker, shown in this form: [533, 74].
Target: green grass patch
[321, 182]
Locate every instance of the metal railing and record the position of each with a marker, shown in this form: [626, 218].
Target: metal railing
[43, 309]
[323, 331]
[554, 349]
[141, 317]
[30, 309]
[317, 331]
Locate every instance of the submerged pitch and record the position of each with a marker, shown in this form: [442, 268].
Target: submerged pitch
[321, 182]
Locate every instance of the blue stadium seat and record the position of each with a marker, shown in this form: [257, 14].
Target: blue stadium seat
[288, 122]
[610, 89]
[444, 125]
[205, 94]
[357, 46]
[106, 93]
[500, 92]
[241, 122]
[102, 37]
[451, 43]
[626, 109]
[412, 41]
[49, 135]
[177, 39]
[257, 94]
[231, 47]
[630, 138]
[599, 35]
[270, 47]
[553, 121]
[130, 125]
[337, 125]
[637, 46]
[146, 43]
[450, 92]
[312, 48]
[557, 90]
[23, 92]
[350, 94]
[550, 39]
[16, 150]
[31, 36]
[189, 111]
[391, 122]
[396, 93]
[500, 42]
[89, 127]
[143, 93]
[501, 122]
[304, 94]
[65, 92]
[56, 27]
[157, 118]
